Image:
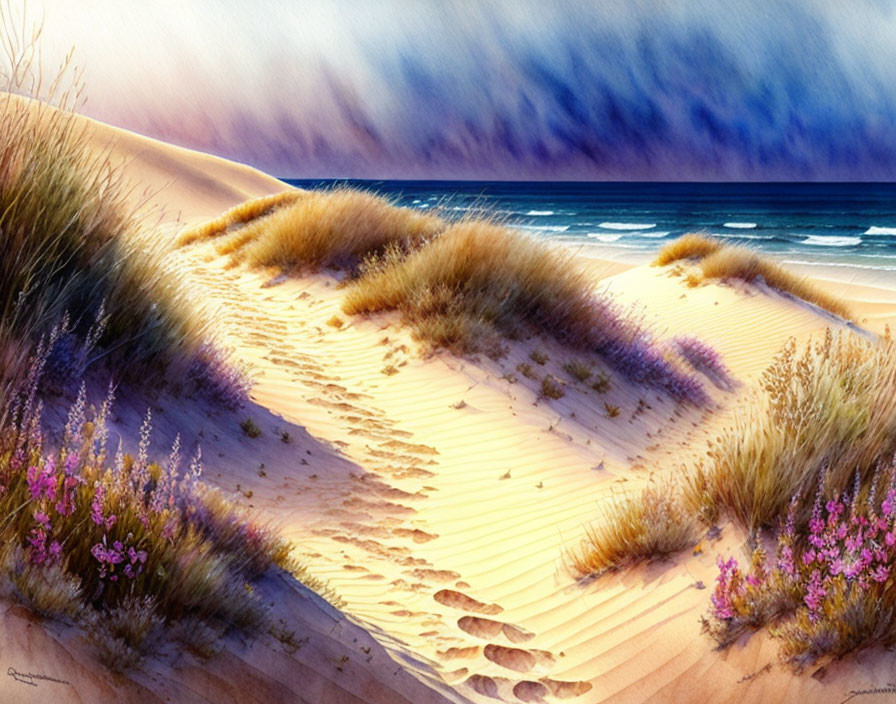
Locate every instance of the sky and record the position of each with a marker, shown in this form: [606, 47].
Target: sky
[522, 89]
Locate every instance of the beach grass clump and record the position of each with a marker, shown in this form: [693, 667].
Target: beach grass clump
[77, 257]
[601, 383]
[239, 215]
[635, 527]
[831, 405]
[578, 370]
[551, 388]
[336, 228]
[830, 589]
[746, 265]
[250, 428]
[539, 357]
[117, 543]
[126, 633]
[453, 295]
[721, 261]
[824, 435]
[526, 370]
[690, 246]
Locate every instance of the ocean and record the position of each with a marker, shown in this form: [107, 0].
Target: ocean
[810, 225]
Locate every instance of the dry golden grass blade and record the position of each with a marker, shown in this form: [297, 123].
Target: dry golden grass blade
[240, 214]
[631, 528]
[724, 262]
[830, 408]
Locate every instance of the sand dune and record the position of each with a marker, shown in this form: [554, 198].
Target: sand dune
[437, 501]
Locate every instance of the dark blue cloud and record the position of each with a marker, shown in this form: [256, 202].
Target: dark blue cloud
[582, 90]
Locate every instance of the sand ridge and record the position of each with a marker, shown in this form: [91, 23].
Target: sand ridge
[437, 501]
[496, 482]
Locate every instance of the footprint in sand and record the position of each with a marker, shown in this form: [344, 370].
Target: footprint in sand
[458, 600]
[530, 692]
[518, 659]
[481, 684]
[566, 690]
[489, 629]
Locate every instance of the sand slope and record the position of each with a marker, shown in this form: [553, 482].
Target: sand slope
[437, 496]
[452, 540]
[315, 653]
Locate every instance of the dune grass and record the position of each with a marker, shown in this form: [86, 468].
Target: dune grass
[74, 247]
[238, 215]
[689, 246]
[817, 447]
[631, 528]
[118, 544]
[807, 466]
[336, 228]
[479, 282]
[830, 405]
[746, 265]
[725, 262]
[463, 285]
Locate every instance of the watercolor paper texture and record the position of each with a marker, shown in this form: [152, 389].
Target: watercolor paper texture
[421, 352]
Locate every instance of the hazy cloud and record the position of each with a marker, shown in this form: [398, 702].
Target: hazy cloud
[660, 89]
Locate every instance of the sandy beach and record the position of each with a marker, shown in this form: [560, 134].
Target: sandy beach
[437, 494]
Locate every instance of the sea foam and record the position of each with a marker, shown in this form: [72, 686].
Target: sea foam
[740, 225]
[540, 212]
[874, 230]
[831, 241]
[626, 226]
[545, 228]
[651, 235]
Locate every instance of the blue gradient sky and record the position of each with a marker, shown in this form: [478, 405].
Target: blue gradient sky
[667, 89]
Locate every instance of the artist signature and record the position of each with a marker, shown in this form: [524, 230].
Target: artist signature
[888, 688]
[32, 678]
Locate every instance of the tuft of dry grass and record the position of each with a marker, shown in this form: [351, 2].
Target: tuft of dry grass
[336, 228]
[126, 633]
[828, 409]
[727, 262]
[539, 357]
[239, 215]
[746, 265]
[690, 246]
[526, 370]
[578, 370]
[602, 383]
[632, 528]
[50, 592]
[551, 388]
[250, 428]
[453, 295]
[73, 244]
